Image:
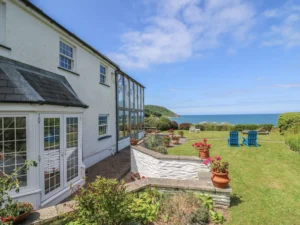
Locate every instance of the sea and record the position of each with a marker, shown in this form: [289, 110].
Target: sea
[232, 119]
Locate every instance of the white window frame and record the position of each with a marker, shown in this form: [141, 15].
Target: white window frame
[2, 22]
[103, 125]
[66, 56]
[104, 75]
[31, 155]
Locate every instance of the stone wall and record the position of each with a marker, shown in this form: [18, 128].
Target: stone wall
[152, 164]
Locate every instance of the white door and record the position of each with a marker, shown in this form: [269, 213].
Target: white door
[60, 152]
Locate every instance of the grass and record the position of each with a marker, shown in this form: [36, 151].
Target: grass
[265, 180]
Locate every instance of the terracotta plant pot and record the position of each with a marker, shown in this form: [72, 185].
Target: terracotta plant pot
[133, 142]
[175, 142]
[20, 218]
[203, 154]
[220, 180]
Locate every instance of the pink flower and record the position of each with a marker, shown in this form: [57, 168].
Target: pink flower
[206, 162]
[210, 159]
[143, 177]
[208, 145]
[218, 157]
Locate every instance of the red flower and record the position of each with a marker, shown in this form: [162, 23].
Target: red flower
[205, 140]
[218, 157]
[208, 145]
[143, 177]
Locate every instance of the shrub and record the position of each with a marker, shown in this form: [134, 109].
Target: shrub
[151, 121]
[184, 126]
[155, 143]
[145, 207]
[200, 216]
[287, 120]
[228, 127]
[106, 202]
[176, 208]
[164, 123]
[293, 141]
[241, 127]
[174, 125]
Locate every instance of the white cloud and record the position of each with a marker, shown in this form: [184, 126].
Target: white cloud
[181, 29]
[287, 85]
[231, 51]
[286, 32]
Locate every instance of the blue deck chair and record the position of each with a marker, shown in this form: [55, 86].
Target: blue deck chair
[252, 139]
[233, 139]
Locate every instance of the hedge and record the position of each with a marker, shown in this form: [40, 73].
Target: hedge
[229, 127]
[293, 142]
[288, 120]
[174, 125]
[184, 126]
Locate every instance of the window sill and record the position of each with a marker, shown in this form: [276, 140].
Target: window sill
[104, 137]
[70, 71]
[104, 84]
[5, 47]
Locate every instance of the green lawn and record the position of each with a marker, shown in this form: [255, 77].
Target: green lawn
[265, 180]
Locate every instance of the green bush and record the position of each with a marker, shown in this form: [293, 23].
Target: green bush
[293, 141]
[200, 216]
[145, 206]
[287, 120]
[155, 143]
[106, 202]
[151, 121]
[174, 125]
[164, 123]
[184, 126]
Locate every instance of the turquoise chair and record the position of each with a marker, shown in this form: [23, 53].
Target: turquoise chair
[233, 139]
[251, 140]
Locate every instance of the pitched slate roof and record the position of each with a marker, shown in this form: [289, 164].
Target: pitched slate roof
[21, 83]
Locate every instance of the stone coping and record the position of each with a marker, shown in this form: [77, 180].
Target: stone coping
[49, 214]
[158, 155]
[193, 185]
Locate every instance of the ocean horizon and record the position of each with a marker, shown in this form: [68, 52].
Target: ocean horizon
[229, 118]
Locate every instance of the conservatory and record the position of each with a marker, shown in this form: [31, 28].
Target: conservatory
[130, 109]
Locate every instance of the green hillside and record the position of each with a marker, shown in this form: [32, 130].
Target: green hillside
[159, 111]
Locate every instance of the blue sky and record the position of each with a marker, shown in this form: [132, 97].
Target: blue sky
[197, 56]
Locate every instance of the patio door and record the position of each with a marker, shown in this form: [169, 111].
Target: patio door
[60, 149]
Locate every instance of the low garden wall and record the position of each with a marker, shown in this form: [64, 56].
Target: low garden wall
[152, 164]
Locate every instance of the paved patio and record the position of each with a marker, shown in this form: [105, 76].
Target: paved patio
[116, 167]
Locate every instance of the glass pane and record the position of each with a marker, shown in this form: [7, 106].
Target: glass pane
[126, 91]
[72, 148]
[120, 90]
[121, 124]
[51, 154]
[131, 95]
[135, 96]
[13, 146]
[127, 123]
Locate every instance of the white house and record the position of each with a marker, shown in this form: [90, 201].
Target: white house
[62, 104]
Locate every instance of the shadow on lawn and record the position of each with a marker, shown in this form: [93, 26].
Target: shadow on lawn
[235, 200]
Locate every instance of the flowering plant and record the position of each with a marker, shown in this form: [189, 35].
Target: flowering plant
[202, 145]
[217, 164]
[171, 130]
[166, 139]
[175, 138]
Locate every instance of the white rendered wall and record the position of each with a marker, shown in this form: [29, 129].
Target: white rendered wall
[149, 166]
[34, 41]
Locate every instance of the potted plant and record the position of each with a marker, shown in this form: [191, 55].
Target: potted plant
[203, 148]
[219, 170]
[149, 131]
[171, 131]
[181, 133]
[175, 140]
[166, 141]
[133, 141]
[13, 211]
